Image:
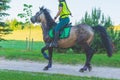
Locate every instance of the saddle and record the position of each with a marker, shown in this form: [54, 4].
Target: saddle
[64, 32]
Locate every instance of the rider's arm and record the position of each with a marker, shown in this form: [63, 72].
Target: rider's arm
[58, 13]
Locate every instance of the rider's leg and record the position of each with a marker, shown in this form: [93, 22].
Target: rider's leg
[60, 25]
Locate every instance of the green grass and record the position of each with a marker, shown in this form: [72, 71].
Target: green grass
[20, 44]
[19, 75]
[16, 50]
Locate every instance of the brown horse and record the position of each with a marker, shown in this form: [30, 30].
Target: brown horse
[80, 34]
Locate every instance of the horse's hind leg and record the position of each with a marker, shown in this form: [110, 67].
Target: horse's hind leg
[89, 53]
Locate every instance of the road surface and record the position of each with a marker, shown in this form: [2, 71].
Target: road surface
[30, 66]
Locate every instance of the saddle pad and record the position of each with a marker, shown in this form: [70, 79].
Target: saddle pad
[63, 33]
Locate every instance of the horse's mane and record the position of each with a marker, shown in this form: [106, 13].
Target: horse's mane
[50, 21]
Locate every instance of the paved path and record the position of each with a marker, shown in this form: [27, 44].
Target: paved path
[103, 72]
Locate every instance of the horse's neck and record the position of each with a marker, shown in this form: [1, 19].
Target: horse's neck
[45, 29]
[47, 24]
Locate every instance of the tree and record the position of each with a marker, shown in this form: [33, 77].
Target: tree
[26, 16]
[96, 18]
[14, 24]
[4, 29]
[27, 13]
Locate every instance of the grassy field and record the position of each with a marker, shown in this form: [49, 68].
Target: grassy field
[16, 50]
[18, 75]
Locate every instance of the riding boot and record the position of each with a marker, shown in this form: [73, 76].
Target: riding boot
[55, 41]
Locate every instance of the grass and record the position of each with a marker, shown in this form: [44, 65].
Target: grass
[19, 75]
[16, 50]
[19, 44]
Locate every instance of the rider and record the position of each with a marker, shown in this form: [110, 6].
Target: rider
[63, 13]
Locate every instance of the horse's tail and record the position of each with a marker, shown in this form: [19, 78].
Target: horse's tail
[105, 39]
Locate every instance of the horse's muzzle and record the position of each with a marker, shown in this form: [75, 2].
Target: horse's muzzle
[33, 20]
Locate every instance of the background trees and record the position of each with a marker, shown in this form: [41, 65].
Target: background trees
[96, 18]
[4, 29]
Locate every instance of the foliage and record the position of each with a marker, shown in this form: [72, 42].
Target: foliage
[14, 24]
[96, 18]
[27, 13]
[4, 29]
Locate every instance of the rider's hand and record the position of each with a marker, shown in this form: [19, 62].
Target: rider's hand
[55, 18]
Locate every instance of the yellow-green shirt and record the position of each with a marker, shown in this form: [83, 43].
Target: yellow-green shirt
[65, 11]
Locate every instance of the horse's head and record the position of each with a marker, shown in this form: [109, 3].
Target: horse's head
[39, 17]
[43, 16]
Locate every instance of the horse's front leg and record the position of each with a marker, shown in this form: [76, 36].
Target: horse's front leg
[50, 50]
[44, 53]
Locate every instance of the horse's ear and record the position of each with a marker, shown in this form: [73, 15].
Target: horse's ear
[41, 8]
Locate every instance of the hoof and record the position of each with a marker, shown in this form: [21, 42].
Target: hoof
[82, 70]
[109, 55]
[89, 68]
[45, 69]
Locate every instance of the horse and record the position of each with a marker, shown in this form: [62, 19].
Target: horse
[80, 34]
